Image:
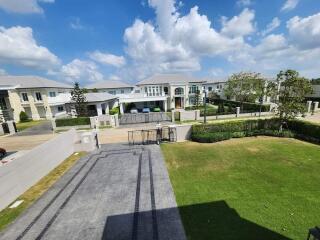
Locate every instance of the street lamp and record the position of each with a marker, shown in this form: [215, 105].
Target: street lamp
[205, 106]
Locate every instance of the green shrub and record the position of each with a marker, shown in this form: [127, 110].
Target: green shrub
[114, 111]
[260, 127]
[23, 117]
[72, 121]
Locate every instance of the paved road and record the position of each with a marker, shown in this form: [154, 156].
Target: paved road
[118, 192]
[44, 127]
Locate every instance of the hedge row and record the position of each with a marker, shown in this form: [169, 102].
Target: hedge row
[63, 122]
[246, 106]
[266, 127]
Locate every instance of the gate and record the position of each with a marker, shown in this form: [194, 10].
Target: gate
[152, 136]
[132, 118]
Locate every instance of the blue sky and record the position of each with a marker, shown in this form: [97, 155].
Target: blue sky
[88, 41]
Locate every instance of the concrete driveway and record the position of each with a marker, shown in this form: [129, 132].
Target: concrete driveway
[118, 192]
[42, 128]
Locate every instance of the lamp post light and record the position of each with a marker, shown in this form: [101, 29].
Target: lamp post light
[205, 106]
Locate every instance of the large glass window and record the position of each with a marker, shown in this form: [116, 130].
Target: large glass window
[52, 94]
[194, 89]
[178, 91]
[24, 97]
[38, 97]
[153, 91]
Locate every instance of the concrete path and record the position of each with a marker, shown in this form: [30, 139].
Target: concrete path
[119, 192]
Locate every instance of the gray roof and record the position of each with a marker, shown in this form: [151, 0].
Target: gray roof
[99, 97]
[108, 85]
[30, 82]
[212, 81]
[169, 79]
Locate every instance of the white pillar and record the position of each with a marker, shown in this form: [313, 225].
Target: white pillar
[165, 105]
[121, 108]
[107, 109]
[238, 111]
[99, 109]
[309, 104]
[316, 106]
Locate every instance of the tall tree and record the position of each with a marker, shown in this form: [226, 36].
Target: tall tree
[197, 99]
[244, 87]
[78, 97]
[293, 90]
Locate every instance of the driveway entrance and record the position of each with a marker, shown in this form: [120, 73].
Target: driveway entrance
[118, 192]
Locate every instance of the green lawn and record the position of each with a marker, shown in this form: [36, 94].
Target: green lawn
[251, 188]
[24, 125]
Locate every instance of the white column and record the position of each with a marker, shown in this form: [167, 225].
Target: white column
[316, 106]
[99, 109]
[121, 108]
[165, 105]
[238, 111]
[309, 104]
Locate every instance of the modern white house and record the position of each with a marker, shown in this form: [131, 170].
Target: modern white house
[38, 97]
[216, 86]
[167, 91]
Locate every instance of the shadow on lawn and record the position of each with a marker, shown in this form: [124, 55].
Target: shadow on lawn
[208, 221]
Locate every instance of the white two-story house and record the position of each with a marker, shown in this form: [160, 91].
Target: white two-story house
[38, 97]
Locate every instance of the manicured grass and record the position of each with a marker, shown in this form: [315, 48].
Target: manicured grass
[251, 188]
[8, 215]
[24, 125]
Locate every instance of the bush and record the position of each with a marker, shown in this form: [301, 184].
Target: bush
[261, 127]
[114, 111]
[23, 117]
[63, 122]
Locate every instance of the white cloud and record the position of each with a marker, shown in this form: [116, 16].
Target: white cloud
[23, 6]
[305, 32]
[114, 78]
[244, 3]
[2, 72]
[79, 70]
[176, 43]
[76, 24]
[289, 5]
[239, 26]
[275, 23]
[108, 59]
[18, 46]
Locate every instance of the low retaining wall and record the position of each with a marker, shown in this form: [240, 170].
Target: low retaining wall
[189, 115]
[183, 132]
[25, 171]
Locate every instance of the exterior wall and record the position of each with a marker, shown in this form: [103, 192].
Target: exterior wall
[316, 92]
[217, 88]
[15, 103]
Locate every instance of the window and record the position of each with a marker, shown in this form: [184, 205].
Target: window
[137, 91]
[122, 91]
[166, 90]
[112, 92]
[52, 94]
[178, 91]
[210, 89]
[38, 97]
[194, 89]
[24, 97]
[3, 104]
[60, 109]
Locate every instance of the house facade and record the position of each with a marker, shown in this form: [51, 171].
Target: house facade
[39, 98]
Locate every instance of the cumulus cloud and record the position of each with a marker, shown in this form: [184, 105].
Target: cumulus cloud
[274, 24]
[18, 46]
[23, 6]
[176, 43]
[289, 5]
[108, 59]
[79, 70]
[305, 32]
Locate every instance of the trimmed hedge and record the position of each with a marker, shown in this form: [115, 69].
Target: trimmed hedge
[262, 127]
[63, 122]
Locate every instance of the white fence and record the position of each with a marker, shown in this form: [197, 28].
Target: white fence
[19, 175]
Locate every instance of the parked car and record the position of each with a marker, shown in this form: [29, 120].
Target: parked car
[3, 153]
[156, 109]
[133, 110]
[146, 110]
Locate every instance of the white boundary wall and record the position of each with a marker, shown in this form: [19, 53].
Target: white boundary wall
[22, 173]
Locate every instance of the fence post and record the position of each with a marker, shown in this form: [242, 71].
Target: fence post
[316, 106]
[53, 123]
[172, 116]
[237, 111]
[309, 104]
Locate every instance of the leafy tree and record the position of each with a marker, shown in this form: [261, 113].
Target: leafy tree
[213, 96]
[95, 90]
[78, 97]
[265, 88]
[244, 87]
[197, 99]
[293, 90]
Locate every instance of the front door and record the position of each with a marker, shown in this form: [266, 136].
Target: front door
[178, 102]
